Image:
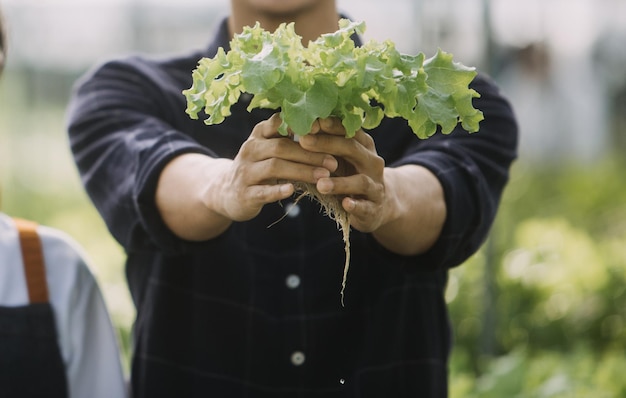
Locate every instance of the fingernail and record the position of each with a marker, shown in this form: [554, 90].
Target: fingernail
[350, 204]
[324, 123]
[315, 128]
[308, 139]
[286, 189]
[320, 173]
[330, 163]
[325, 185]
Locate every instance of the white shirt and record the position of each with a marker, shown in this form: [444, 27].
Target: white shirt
[87, 339]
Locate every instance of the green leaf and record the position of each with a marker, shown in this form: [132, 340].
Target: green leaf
[317, 102]
[262, 71]
[449, 82]
[332, 77]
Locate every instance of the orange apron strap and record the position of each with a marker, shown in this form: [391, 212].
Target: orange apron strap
[32, 255]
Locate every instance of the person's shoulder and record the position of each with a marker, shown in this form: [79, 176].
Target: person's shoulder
[56, 236]
[147, 63]
[139, 69]
[6, 224]
[489, 90]
[62, 250]
[484, 81]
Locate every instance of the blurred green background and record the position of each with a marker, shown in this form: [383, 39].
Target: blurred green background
[539, 311]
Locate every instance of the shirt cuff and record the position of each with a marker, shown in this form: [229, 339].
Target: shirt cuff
[460, 236]
[152, 231]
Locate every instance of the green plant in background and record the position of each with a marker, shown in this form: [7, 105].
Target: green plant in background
[580, 373]
[560, 250]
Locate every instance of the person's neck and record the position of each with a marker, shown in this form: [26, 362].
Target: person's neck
[309, 23]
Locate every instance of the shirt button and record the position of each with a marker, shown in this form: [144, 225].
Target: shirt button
[297, 358]
[293, 210]
[246, 97]
[292, 281]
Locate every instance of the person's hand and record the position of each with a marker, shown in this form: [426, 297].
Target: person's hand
[359, 177]
[403, 207]
[198, 197]
[264, 168]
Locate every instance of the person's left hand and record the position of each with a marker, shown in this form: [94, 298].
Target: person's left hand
[359, 175]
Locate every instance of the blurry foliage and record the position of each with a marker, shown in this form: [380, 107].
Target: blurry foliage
[581, 374]
[559, 245]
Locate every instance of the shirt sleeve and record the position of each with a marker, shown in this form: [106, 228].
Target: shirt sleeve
[120, 125]
[473, 170]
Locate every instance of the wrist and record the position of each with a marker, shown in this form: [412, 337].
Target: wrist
[215, 181]
[414, 212]
[393, 207]
[183, 198]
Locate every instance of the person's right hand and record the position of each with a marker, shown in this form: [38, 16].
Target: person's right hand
[264, 169]
[198, 197]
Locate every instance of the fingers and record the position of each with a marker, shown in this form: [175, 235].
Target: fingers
[358, 185]
[268, 128]
[364, 215]
[271, 170]
[359, 151]
[249, 202]
[333, 140]
[261, 194]
[265, 160]
[265, 143]
[314, 148]
[361, 183]
[333, 126]
[330, 125]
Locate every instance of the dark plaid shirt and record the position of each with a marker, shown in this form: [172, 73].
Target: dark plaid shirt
[256, 312]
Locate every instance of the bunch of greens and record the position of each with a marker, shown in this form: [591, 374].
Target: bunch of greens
[333, 77]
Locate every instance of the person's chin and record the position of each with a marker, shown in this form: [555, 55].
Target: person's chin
[283, 8]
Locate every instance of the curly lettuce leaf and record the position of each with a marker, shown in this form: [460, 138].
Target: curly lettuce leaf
[333, 77]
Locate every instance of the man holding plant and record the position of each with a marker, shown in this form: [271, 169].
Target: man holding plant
[231, 303]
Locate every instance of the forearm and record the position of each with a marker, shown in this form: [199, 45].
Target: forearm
[415, 210]
[187, 196]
